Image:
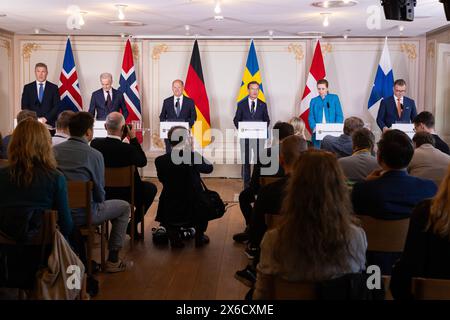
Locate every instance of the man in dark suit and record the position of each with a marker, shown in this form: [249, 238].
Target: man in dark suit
[390, 193]
[396, 109]
[250, 109]
[107, 99]
[424, 122]
[178, 108]
[41, 96]
[117, 154]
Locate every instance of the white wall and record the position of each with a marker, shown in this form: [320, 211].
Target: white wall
[351, 67]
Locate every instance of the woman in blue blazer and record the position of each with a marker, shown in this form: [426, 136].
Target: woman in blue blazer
[325, 105]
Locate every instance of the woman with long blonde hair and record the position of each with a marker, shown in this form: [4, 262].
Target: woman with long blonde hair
[30, 178]
[427, 247]
[299, 127]
[320, 238]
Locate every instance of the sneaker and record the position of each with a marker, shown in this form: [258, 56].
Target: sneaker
[92, 286]
[187, 233]
[241, 237]
[113, 267]
[247, 276]
[251, 252]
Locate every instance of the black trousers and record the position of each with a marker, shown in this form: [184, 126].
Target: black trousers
[246, 198]
[144, 199]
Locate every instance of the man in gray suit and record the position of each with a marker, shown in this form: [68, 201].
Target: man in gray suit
[362, 162]
[342, 145]
[428, 162]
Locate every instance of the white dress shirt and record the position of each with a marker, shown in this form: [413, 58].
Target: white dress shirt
[105, 94]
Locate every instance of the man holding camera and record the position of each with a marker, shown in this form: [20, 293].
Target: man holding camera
[118, 154]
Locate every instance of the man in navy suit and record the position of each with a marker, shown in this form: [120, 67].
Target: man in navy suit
[178, 108]
[396, 109]
[41, 96]
[250, 109]
[390, 193]
[107, 99]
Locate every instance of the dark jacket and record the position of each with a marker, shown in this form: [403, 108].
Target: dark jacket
[181, 185]
[387, 113]
[50, 102]
[187, 112]
[98, 103]
[243, 112]
[426, 255]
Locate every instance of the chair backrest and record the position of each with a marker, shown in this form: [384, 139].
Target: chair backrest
[45, 234]
[385, 235]
[119, 177]
[281, 289]
[265, 180]
[431, 289]
[3, 163]
[80, 195]
[273, 220]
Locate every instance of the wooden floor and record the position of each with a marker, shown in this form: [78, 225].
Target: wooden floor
[189, 273]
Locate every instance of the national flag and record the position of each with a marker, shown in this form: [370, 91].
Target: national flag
[196, 90]
[251, 73]
[316, 73]
[69, 88]
[384, 82]
[129, 87]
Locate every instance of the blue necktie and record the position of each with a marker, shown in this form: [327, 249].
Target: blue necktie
[41, 92]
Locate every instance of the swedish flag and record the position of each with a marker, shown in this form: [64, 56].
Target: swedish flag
[251, 73]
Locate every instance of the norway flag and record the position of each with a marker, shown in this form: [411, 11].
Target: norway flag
[69, 89]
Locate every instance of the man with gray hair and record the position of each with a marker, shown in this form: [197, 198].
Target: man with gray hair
[342, 145]
[107, 99]
[117, 154]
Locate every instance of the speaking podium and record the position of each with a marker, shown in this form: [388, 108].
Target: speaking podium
[165, 126]
[407, 128]
[328, 129]
[99, 129]
[252, 130]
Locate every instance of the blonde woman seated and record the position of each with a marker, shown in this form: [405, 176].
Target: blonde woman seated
[319, 238]
[299, 128]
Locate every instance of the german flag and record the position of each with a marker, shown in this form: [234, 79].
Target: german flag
[196, 90]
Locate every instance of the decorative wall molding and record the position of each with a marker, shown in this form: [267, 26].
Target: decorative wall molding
[135, 50]
[158, 50]
[431, 50]
[297, 50]
[409, 49]
[326, 48]
[28, 48]
[7, 45]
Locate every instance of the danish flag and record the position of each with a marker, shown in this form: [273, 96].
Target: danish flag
[316, 73]
[69, 88]
[129, 87]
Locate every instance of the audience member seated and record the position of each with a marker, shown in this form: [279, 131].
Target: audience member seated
[247, 196]
[342, 145]
[424, 122]
[179, 172]
[362, 162]
[427, 247]
[30, 184]
[22, 115]
[119, 154]
[269, 202]
[62, 127]
[319, 238]
[428, 162]
[391, 193]
[79, 162]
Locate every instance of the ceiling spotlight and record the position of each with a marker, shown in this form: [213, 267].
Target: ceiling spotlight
[217, 8]
[401, 28]
[36, 31]
[121, 11]
[81, 17]
[218, 18]
[270, 33]
[326, 4]
[326, 19]
[187, 27]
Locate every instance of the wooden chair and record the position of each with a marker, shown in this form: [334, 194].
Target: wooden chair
[385, 235]
[281, 289]
[273, 220]
[124, 178]
[431, 289]
[43, 237]
[80, 195]
[265, 180]
[3, 163]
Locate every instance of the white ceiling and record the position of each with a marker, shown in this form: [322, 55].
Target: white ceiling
[242, 18]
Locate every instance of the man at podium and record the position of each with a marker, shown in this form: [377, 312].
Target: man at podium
[397, 108]
[325, 108]
[250, 109]
[178, 108]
